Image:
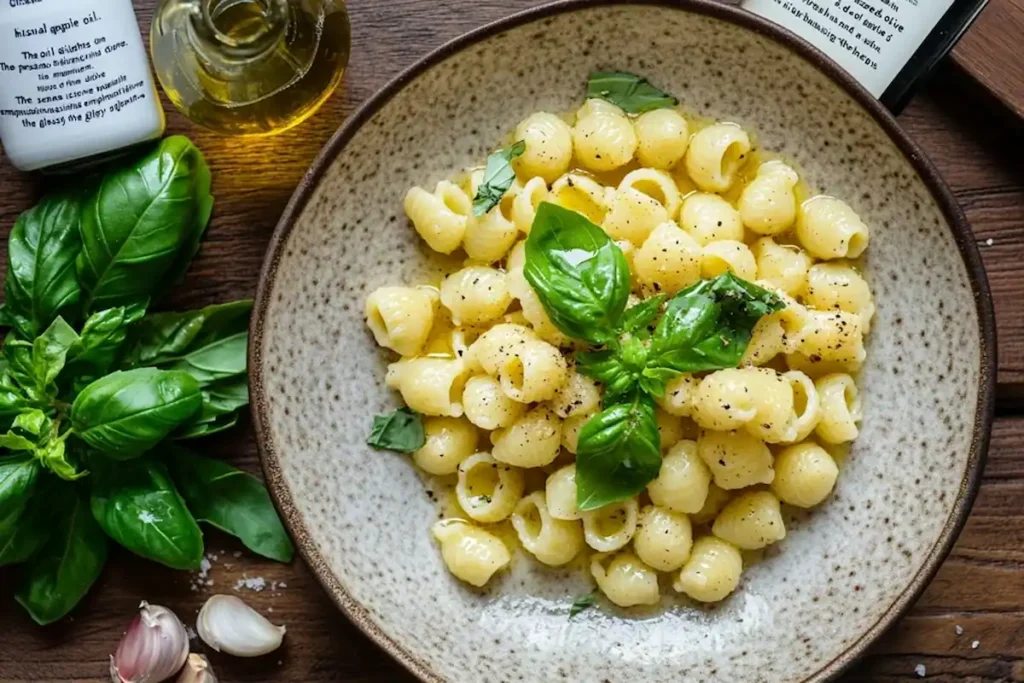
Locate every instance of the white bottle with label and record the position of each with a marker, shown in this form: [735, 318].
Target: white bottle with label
[75, 82]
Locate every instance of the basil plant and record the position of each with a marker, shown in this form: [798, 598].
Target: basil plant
[97, 393]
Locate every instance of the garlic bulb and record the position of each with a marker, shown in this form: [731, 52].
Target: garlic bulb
[229, 625]
[197, 670]
[153, 648]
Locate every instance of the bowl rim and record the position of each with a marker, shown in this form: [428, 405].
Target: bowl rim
[926, 170]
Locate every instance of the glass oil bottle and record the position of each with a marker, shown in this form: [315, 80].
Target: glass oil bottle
[250, 67]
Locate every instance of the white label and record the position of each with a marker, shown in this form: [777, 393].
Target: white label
[74, 80]
[872, 39]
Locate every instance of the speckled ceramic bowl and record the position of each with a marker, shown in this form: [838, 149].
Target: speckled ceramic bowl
[361, 517]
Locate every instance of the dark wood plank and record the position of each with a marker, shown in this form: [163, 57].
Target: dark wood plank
[980, 588]
[990, 51]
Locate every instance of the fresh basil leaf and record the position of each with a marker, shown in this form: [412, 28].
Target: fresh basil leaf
[498, 177]
[231, 500]
[137, 505]
[127, 413]
[222, 404]
[55, 457]
[34, 366]
[629, 92]
[642, 314]
[583, 603]
[24, 532]
[222, 359]
[609, 368]
[141, 223]
[12, 397]
[59, 575]
[578, 272]
[163, 339]
[708, 326]
[618, 454]
[18, 475]
[102, 341]
[34, 422]
[400, 430]
[41, 280]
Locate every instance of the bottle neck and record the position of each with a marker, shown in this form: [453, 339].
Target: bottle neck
[243, 28]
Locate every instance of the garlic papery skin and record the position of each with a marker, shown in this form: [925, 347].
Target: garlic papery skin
[153, 648]
[229, 625]
[197, 670]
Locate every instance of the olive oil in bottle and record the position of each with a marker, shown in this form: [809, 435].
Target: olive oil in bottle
[250, 67]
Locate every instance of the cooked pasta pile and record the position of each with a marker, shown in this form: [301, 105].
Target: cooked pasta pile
[494, 369]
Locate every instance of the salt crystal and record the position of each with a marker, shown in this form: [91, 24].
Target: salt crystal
[191, 633]
[237, 553]
[920, 670]
[975, 644]
[959, 630]
[204, 567]
[989, 242]
[256, 583]
[282, 584]
[270, 610]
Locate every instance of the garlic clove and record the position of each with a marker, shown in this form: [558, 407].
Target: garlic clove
[197, 670]
[152, 649]
[229, 625]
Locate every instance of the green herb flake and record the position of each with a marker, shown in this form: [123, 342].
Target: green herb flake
[631, 93]
[400, 430]
[583, 603]
[498, 177]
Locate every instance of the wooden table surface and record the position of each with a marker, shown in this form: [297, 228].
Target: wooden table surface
[977, 145]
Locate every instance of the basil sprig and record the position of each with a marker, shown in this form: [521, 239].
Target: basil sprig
[581, 278]
[93, 387]
[631, 93]
[498, 177]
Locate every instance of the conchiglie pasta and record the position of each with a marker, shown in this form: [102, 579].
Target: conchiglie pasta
[626, 581]
[757, 399]
[768, 204]
[835, 336]
[632, 216]
[668, 261]
[767, 340]
[487, 406]
[560, 492]
[580, 395]
[662, 137]
[713, 571]
[401, 317]
[487, 490]
[709, 218]
[684, 479]
[716, 500]
[784, 266]
[663, 539]
[571, 427]
[658, 185]
[840, 409]
[475, 295]
[728, 256]
[552, 541]
[679, 395]
[492, 348]
[440, 218]
[603, 140]
[715, 156]
[736, 459]
[470, 553]
[489, 237]
[670, 428]
[449, 441]
[611, 527]
[829, 229]
[532, 441]
[751, 521]
[524, 205]
[532, 372]
[582, 194]
[804, 475]
[837, 286]
[432, 386]
[548, 147]
[806, 405]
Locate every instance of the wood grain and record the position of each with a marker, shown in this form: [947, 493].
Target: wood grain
[981, 587]
[990, 51]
